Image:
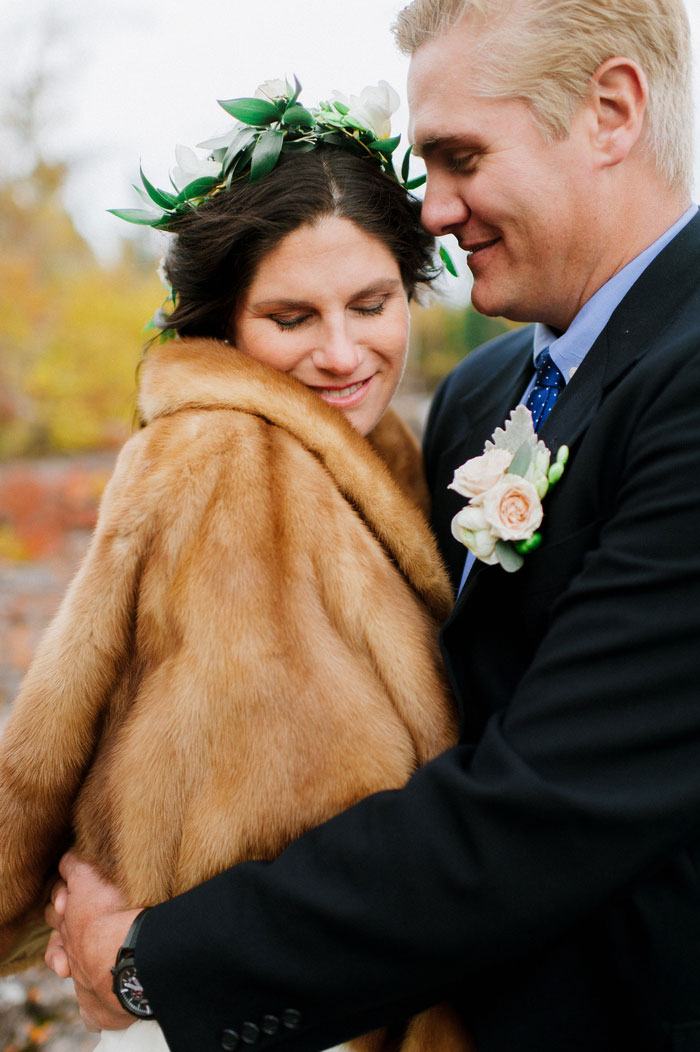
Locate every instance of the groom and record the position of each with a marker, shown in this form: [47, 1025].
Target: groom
[544, 874]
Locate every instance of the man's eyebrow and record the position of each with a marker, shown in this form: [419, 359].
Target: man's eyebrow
[444, 142]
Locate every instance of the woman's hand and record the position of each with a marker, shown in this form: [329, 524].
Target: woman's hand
[90, 924]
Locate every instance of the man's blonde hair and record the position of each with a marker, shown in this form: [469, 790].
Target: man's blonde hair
[545, 52]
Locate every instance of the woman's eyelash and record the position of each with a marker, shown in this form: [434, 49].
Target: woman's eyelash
[291, 323]
[287, 324]
[377, 309]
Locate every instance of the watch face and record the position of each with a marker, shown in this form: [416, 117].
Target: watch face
[130, 992]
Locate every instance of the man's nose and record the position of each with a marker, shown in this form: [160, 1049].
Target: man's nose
[444, 208]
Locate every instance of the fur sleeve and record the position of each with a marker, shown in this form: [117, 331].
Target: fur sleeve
[50, 736]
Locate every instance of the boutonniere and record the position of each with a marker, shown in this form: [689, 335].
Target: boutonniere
[506, 486]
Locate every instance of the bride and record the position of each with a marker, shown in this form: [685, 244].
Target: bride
[249, 644]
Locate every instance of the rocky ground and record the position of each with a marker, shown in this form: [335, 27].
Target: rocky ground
[39, 1011]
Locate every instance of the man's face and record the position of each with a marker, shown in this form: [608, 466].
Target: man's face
[523, 208]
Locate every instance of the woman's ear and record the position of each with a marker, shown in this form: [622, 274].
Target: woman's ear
[618, 99]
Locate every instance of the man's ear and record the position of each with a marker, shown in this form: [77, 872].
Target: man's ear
[618, 99]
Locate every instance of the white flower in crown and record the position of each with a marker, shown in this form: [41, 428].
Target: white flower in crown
[190, 167]
[272, 89]
[373, 107]
[505, 487]
[222, 142]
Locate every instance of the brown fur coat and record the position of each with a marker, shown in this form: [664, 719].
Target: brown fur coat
[249, 647]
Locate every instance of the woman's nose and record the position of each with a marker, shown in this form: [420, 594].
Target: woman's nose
[338, 352]
[444, 209]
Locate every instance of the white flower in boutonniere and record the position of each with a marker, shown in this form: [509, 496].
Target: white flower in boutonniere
[506, 486]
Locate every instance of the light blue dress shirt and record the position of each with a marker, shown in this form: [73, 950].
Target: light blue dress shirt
[568, 349]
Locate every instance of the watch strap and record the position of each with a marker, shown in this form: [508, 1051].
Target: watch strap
[132, 934]
[126, 985]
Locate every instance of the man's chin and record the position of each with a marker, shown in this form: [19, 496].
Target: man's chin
[488, 305]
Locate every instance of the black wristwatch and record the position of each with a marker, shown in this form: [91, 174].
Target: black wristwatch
[126, 983]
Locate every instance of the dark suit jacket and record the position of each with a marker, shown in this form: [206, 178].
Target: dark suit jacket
[545, 873]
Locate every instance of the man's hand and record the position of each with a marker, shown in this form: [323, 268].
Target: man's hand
[90, 924]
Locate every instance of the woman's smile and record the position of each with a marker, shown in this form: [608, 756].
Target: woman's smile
[342, 397]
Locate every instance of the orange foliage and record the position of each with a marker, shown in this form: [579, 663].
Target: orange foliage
[36, 513]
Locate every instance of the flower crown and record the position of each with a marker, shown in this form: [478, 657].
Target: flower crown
[272, 123]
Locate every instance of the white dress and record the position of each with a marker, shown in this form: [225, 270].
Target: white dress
[146, 1036]
[142, 1036]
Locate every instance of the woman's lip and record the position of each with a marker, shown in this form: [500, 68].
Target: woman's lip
[348, 395]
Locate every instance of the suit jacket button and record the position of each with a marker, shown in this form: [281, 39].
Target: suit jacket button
[270, 1025]
[250, 1033]
[291, 1019]
[230, 1040]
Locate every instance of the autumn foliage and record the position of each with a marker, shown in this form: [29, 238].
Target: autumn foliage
[70, 328]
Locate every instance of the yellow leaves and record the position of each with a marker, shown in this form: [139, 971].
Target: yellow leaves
[70, 329]
[84, 381]
[70, 344]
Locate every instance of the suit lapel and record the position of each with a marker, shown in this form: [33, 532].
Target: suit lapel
[636, 325]
[486, 407]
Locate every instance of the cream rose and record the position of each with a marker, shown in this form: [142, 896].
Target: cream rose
[469, 527]
[512, 508]
[480, 473]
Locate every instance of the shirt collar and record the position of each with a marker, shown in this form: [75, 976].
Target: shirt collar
[568, 349]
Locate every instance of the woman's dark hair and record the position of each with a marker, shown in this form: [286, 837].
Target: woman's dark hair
[218, 247]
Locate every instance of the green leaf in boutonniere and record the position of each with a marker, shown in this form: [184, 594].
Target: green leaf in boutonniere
[508, 556]
[520, 463]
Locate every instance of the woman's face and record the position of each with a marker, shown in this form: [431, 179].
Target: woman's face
[328, 306]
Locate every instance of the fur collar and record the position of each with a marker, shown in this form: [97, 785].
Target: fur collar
[208, 374]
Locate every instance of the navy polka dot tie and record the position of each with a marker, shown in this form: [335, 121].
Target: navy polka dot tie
[548, 383]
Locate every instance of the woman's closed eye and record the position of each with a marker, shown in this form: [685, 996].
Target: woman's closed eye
[289, 323]
[369, 309]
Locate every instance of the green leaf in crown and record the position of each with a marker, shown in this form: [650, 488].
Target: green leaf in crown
[257, 112]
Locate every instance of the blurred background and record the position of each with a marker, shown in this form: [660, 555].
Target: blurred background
[87, 91]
